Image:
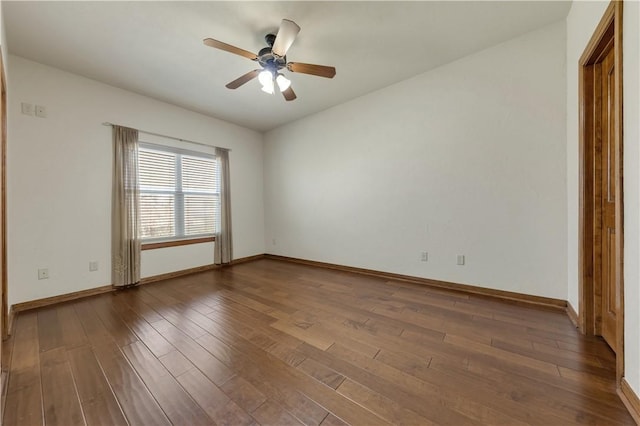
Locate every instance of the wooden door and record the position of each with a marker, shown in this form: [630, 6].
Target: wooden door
[601, 177]
[4, 326]
[608, 182]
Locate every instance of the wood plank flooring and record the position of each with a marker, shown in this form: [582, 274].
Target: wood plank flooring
[275, 343]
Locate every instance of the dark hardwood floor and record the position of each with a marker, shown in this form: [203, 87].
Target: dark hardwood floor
[271, 342]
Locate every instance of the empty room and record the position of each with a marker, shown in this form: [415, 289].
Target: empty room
[320, 213]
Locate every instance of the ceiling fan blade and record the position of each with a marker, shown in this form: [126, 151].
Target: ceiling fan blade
[229, 48]
[243, 79]
[285, 37]
[319, 70]
[289, 94]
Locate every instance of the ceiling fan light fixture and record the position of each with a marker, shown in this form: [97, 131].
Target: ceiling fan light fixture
[266, 79]
[272, 59]
[283, 82]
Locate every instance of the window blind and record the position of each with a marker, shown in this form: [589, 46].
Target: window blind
[179, 193]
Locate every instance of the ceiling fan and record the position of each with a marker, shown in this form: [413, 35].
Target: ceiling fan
[273, 59]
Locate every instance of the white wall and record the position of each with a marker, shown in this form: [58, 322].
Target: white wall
[59, 180]
[3, 41]
[2, 28]
[631, 89]
[582, 21]
[466, 159]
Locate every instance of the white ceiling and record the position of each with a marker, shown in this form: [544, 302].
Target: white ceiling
[155, 48]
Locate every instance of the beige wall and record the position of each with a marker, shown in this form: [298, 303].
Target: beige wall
[60, 167]
[465, 159]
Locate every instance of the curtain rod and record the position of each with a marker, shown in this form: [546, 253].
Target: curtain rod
[106, 123]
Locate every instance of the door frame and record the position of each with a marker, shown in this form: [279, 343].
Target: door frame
[4, 305]
[590, 285]
[4, 311]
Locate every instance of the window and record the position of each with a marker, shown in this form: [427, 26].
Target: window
[179, 194]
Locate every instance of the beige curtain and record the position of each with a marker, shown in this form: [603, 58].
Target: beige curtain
[125, 221]
[224, 246]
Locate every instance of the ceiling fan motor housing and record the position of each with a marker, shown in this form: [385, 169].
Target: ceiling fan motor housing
[270, 39]
[269, 60]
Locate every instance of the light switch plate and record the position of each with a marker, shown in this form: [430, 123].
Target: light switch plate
[27, 109]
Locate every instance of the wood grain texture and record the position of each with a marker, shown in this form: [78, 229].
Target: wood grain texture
[24, 389]
[243, 79]
[276, 343]
[48, 301]
[229, 48]
[619, 189]
[573, 315]
[518, 298]
[630, 399]
[176, 243]
[607, 35]
[98, 401]
[61, 402]
[4, 312]
[608, 153]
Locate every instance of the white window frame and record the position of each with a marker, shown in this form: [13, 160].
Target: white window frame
[179, 194]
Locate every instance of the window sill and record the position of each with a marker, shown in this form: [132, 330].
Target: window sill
[164, 244]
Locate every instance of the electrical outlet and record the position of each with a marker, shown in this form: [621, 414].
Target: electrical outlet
[41, 111]
[424, 256]
[43, 274]
[93, 266]
[460, 259]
